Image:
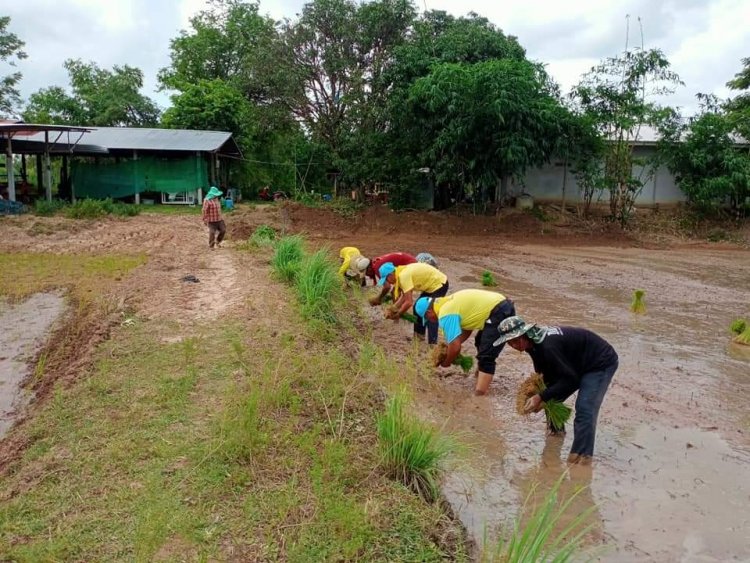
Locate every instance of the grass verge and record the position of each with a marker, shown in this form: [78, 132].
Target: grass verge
[287, 257]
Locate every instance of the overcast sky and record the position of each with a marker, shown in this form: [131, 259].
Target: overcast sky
[703, 39]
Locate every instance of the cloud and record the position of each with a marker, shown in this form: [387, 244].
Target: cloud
[704, 39]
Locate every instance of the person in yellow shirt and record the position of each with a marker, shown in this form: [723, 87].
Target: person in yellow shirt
[346, 254]
[465, 311]
[405, 280]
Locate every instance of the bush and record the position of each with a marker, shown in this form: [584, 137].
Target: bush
[411, 451]
[287, 258]
[125, 209]
[47, 208]
[319, 288]
[87, 209]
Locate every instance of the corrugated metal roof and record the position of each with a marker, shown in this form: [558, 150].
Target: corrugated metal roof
[145, 139]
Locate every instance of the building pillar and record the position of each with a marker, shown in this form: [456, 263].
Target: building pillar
[47, 168]
[9, 168]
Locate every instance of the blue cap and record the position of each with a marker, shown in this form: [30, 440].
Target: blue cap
[421, 306]
[384, 271]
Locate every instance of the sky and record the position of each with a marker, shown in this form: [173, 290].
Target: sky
[704, 40]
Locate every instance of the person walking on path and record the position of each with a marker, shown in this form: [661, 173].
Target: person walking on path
[405, 280]
[217, 229]
[461, 313]
[569, 359]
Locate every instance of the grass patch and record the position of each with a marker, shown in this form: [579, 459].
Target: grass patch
[46, 208]
[738, 326]
[488, 280]
[263, 236]
[95, 208]
[23, 274]
[411, 451]
[542, 532]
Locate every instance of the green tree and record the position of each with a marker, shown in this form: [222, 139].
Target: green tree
[739, 107]
[614, 94]
[107, 98]
[11, 51]
[703, 154]
[209, 104]
[230, 41]
[482, 122]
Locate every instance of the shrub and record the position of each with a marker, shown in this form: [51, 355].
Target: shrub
[87, 209]
[411, 451]
[263, 236]
[125, 209]
[738, 326]
[47, 208]
[287, 257]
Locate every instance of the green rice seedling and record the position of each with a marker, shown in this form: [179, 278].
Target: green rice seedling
[287, 258]
[409, 317]
[488, 280]
[557, 413]
[263, 236]
[546, 535]
[638, 305]
[411, 451]
[464, 362]
[738, 326]
[318, 288]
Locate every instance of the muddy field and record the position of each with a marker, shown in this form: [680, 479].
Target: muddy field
[673, 442]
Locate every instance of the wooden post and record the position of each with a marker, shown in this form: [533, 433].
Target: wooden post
[9, 168]
[47, 169]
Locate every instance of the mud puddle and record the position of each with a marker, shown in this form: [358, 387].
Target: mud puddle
[673, 441]
[24, 328]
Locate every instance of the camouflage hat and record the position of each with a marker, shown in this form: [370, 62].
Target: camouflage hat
[511, 328]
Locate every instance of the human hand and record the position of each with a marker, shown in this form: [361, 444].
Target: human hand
[533, 404]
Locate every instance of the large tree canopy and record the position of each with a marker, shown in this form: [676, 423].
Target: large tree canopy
[11, 51]
[107, 98]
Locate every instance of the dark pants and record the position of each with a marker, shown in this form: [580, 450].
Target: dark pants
[432, 327]
[213, 228]
[487, 353]
[591, 393]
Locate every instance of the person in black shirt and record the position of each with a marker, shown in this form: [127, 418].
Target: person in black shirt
[570, 359]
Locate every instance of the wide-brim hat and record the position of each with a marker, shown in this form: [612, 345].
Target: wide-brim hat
[213, 192]
[511, 328]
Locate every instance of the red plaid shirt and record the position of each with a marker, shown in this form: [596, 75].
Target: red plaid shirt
[211, 210]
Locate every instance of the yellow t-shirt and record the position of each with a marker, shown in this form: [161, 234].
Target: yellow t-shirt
[467, 309]
[346, 254]
[420, 277]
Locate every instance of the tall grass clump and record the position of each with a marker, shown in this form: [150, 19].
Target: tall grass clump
[546, 534]
[638, 305]
[47, 208]
[125, 209]
[263, 236]
[287, 258]
[411, 451]
[738, 326]
[488, 280]
[319, 288]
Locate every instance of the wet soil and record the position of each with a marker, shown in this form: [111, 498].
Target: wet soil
[25, 327]
[673, 443]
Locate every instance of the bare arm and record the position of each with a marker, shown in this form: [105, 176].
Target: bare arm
[405, 302]
[454, 348]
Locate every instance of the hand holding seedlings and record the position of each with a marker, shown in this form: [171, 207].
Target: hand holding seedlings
[533, 404]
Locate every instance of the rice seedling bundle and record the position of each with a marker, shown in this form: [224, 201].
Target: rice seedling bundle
[488, 280]
[638, 305]
[439, 352]
[744, 336]
[738, 326]
[558, 413]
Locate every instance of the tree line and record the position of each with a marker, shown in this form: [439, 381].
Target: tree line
[377, 94]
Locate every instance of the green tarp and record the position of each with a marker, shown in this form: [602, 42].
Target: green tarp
[108, 178]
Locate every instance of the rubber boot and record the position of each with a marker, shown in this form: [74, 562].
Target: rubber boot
[483, 383]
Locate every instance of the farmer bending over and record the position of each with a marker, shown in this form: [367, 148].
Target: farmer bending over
[346, 254]
[569, 359]
[460, 314]
[430, 281]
